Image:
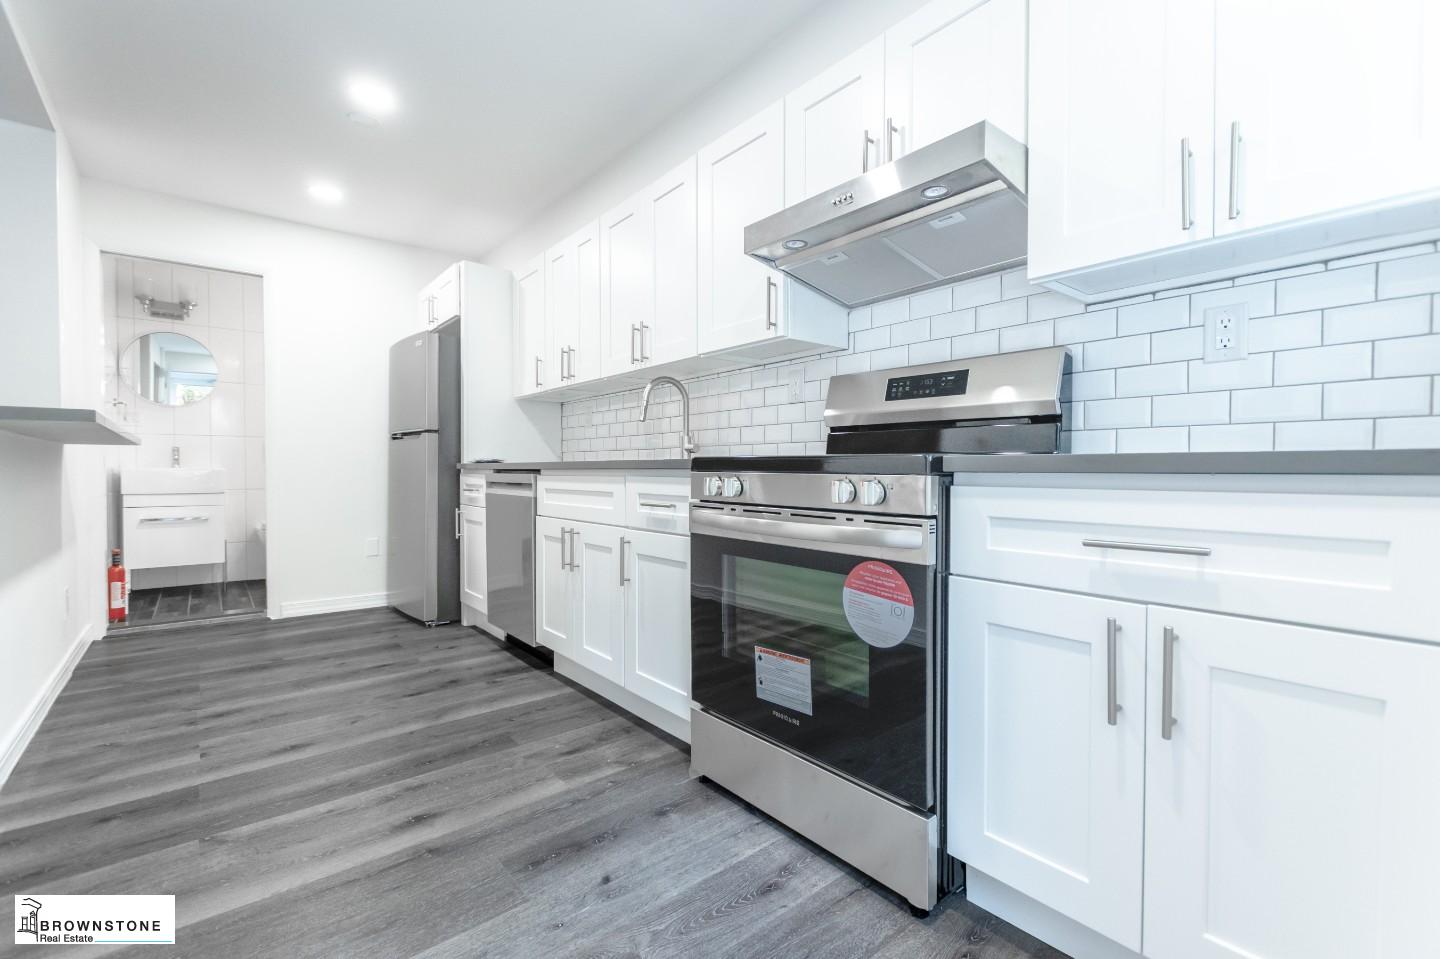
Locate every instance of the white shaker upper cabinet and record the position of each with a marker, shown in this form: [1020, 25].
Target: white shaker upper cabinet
[532, 372]
[671, 212]
[1121, 128]
[954, 63]
[446, 292]
[741, 180]
[834, 124]
[572, 307]
[1290, 807]
[1047, 779]
[584, 361]
[626, 284]
[1322, 106]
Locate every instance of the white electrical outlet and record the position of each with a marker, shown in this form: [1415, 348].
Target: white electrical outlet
[795, 383]
[1226, 332]
[372, 546]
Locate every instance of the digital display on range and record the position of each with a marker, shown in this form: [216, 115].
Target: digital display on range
[948, 383]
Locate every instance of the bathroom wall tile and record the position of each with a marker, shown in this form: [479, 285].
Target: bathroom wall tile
[194, 451]
[193, 285]
[228, 348]
[255, 410]
[226, 308]
[227, 409]
[235, 566]
[254, 463]
[193, 418]
[237, 529]
[228, 453]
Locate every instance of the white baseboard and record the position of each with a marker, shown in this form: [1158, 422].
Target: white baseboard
[1040, 920]
[332, 604]
[18, 738]
[624, 698]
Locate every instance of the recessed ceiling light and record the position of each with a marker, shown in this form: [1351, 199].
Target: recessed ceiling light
[371, 96]
[323, 191]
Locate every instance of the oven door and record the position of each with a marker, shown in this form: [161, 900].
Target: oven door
[817, 631]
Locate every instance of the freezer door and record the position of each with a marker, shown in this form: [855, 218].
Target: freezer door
[411, 573]
[414, 384]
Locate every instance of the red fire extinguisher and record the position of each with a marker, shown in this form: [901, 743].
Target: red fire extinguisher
[119, 588]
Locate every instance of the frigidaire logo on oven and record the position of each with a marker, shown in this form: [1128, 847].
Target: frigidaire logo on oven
[788, 718]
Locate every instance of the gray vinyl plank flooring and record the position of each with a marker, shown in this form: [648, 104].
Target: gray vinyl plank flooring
[356, 785]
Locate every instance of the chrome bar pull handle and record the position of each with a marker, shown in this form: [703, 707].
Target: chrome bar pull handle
[634, 332]
[1112, 703]
[1187, 185]
[866, 142]
[1146, 547]
[457, 522]
[623, 578]
[644, 357]
[770, 322]
[890, 130]
[1236, 141]
[649, 505]
[537, 372]
[1167, 686]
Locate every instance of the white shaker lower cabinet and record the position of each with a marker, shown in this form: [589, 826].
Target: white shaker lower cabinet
[657, 619]
[472, 558]
[553, 584]
[1292, 812]
[1047, 784]
[597, 600]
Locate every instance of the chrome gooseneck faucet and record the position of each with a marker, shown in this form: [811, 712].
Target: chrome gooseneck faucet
[687, 444]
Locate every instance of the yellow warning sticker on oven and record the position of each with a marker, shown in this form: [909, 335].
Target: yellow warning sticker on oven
[783, 679]
[878, 604]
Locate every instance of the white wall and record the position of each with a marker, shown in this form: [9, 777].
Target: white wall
[328, 295]
[836, 29]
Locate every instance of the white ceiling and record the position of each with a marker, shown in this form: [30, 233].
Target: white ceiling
[505, 105]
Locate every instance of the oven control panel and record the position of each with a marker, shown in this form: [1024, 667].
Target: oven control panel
[909, 495]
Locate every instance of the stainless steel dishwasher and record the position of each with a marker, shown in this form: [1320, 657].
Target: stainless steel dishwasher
[510, 553]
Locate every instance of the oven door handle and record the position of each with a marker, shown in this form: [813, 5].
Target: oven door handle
[847, 536]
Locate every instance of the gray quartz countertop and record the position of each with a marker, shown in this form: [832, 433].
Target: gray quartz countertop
[1317, 463]
[634, 466]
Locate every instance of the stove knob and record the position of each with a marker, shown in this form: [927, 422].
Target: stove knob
[732, 486]
[872, 493]
[712, 486]
[842, 491]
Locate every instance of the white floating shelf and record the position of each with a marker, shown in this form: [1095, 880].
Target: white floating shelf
[59, 424]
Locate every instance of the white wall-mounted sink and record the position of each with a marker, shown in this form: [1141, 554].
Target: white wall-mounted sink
[139, 482]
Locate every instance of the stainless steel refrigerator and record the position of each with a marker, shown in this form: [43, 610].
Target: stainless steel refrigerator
[423, 559]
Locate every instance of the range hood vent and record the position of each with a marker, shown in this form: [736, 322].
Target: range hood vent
[946, 212]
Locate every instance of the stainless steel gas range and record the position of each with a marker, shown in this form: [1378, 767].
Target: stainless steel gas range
[817, 599]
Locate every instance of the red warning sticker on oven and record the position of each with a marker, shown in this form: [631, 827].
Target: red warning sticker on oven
[878, 604]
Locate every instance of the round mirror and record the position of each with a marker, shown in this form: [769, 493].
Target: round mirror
[168, 368]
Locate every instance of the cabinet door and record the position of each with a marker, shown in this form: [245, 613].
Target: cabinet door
[1118, 90]
[953, 63]
[1046, 795]
[657, 619]
[598, 602]
[584, 362]
[626, 283]
[472, 558]
[1291, 813]
[834, 124]
[741, 180]
[1331, 108]
[670, 332]
[446, 291]
[532, 372]
[562, 300]
[554, 593]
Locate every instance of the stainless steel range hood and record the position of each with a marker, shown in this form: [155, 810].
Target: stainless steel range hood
[948, 211]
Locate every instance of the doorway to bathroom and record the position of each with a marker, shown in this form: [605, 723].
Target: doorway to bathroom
[185, 348]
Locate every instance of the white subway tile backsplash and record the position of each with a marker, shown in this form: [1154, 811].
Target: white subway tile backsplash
[1276, 403]
[1396, 253]
[1326, 435]
[1408, 357]
[1159, 439]
[930, 302]
[1378, 321]
[1151, 380]
[1306, 385]
[1367, 398]
[1190, 409]
[1154, 316]
[1005, 313]
[1232, 437]
[1416, 274]
[1028, 336]
[1124, 351]
[1323, 364]
[1419, 432]
[1117, 413]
